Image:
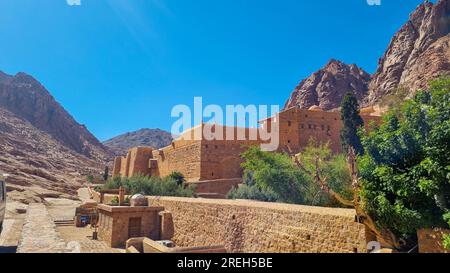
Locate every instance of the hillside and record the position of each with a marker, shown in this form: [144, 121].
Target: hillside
[155, 138]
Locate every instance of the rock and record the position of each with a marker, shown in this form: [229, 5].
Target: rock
[326, 87]
[418, 52]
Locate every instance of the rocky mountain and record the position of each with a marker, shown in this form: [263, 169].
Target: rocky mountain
[155, 138]
[418, 52]
[326, 87]
[25, 97]
[45, 152]
[38, 165]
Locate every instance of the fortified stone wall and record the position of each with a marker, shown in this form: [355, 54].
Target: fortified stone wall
[298, 126]
[181, 156]
[248, 226]
[199, 158]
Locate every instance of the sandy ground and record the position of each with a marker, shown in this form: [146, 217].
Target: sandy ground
[12, 227]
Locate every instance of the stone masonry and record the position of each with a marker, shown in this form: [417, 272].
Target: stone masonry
[250, 226]
[203, 159]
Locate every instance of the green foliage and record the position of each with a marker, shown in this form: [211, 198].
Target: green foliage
[332, 167]
[394, 98]
[352, 121]
[150, 186]
[274, 177]
[115, 201]
[274, 172]
[252, 192]
[178, 177]
[90, 178]
[446, 242]
[406, 169]
[106, 173]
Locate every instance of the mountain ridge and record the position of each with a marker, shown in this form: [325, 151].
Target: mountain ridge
[27, 98]
[418, 52]
[155, 138]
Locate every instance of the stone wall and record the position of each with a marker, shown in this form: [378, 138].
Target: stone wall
[298, 126]
[218, 187]
[248, 226]
[181, 156]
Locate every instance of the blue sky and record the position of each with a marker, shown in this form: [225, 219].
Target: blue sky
[121, 65]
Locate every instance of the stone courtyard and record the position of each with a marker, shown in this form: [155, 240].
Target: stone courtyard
[48, 227]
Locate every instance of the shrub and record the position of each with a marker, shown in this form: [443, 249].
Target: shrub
[150, 186]
[178, 177]
[90, 178]
[274, 172]
[249, 190]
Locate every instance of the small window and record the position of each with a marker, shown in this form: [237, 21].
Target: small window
[289, 123]
[309, 126]
[323, 127]
[289, 141]
[306, 116]
[303, 126]
[328, 127]
[315, 127]
[216, 147]
[206, 146]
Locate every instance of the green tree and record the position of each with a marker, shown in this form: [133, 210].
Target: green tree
[327, 175]
[178, 177]
[106, 173]
[273, 177]
[405, 172]
[352, 121]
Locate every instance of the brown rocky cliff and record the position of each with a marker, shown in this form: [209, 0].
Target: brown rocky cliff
[28, 99]
[38, 165]
[418, 52]
[327, 87]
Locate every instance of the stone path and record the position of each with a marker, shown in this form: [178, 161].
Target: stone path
[78, 239]
[39, 233]
[36, 232]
